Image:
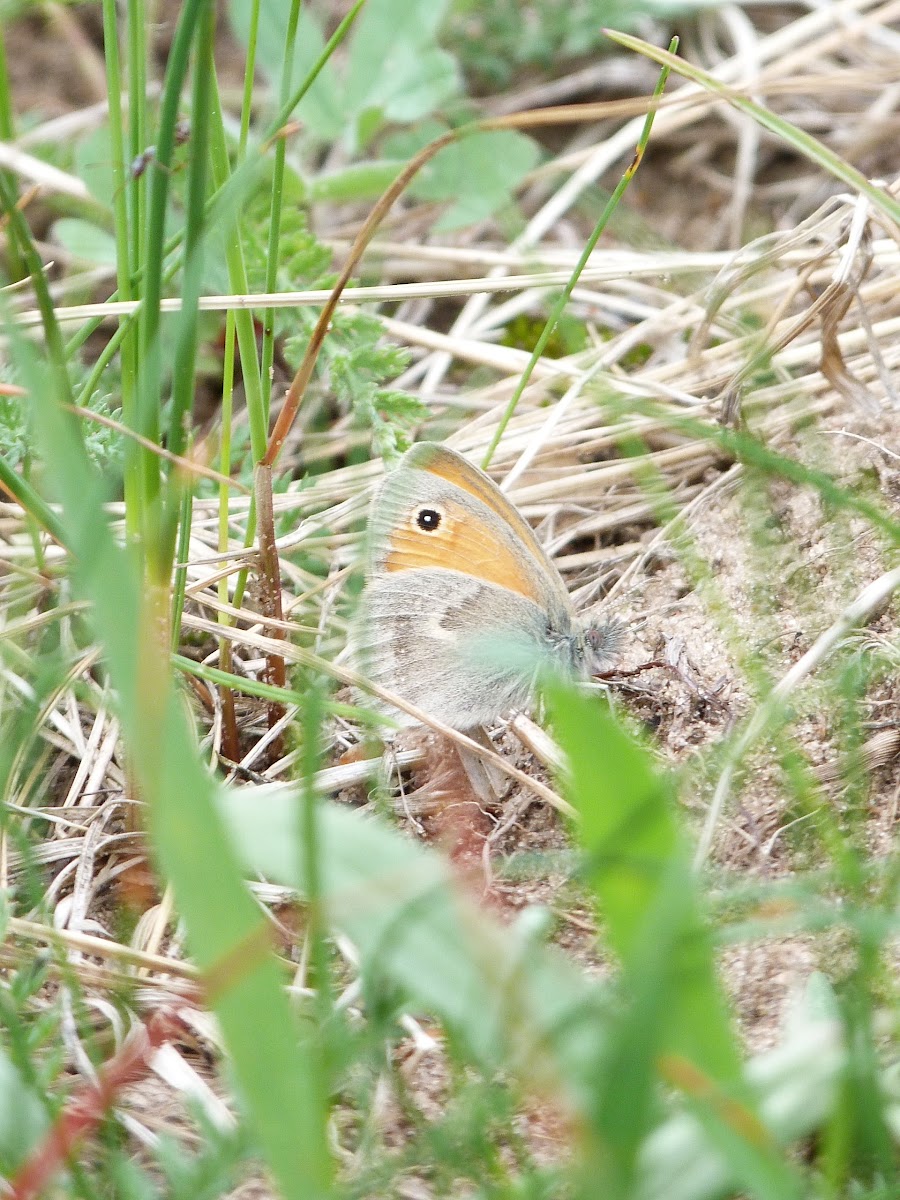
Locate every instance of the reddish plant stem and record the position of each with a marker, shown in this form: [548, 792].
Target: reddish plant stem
[270, 588]
[376, 216]
[90, 1102]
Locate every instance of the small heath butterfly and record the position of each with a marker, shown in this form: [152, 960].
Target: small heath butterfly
[462, 608]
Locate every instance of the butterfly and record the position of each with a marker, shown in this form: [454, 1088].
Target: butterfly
[462, 609]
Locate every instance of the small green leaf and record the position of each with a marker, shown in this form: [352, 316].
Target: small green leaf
[222, 919]
[94, 164]
[395, 62]
[22, 1116]
[322, 109]
[416, 81]
[513, 1003]
[368, 123]
[85, 241]
[356, 181]
[674, 1021]
[478, 173]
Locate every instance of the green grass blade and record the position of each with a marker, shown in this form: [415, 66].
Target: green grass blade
[562, 300]
[511, 1003]
[801, 141]
[32, 501]
[675, 1024]
[125, 267]
[276, 202]
[516, 1006]
[225, 927]
[185, 359]
[149, 392]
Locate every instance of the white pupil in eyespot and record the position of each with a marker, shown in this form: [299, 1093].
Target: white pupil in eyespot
[428, 519]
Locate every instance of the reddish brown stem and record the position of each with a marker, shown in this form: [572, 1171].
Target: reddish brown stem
[231, 744]
[270, 584]
[523, 120]
[304, 374]
[86, 1109]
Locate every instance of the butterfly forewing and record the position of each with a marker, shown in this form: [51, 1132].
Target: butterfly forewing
[475, 529]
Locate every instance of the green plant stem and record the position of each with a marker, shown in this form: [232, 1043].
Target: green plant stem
[14, 259]
[560, 304]
[328, 49]
[32, 502]
[801, 141]
[225, 444]
[249, 73]
[228, 370]
[268, 316]
[192, 275]
[56, 351]
[230, 731]
[125, 268]
[150, 387]
[237, 276]
[243, 319]
[179, 585]
[138, 124]
[269, 571]
[179, 498]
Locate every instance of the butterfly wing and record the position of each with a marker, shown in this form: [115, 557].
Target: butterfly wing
[461, 602]
[483, 534]
[463, 651]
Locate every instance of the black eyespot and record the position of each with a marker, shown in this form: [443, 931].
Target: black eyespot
[428, 519]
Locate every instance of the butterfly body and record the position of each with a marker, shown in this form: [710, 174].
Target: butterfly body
[462, 607]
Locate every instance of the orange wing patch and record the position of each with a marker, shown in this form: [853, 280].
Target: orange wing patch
[464, 475]
[460, 543]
